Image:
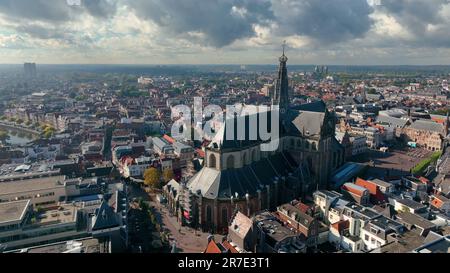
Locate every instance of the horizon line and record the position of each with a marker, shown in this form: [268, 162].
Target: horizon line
[225, 64]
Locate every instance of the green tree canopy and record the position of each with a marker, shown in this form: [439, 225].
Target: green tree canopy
[4, 136]
[152, 177]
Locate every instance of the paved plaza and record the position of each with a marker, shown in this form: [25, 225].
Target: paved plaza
[187, 239]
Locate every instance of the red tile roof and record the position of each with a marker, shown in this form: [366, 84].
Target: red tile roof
[438, 201]
[228, 246]
[341, 225]
[223, 247]
[200, 153]
[169, 139]
[373, 189]
[424, 180]
[302, 207]
[212, 247]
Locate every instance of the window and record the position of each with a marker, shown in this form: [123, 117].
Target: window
[212, 161]
[230, 162]
[208, 214]
[224, 216]
[366, 237]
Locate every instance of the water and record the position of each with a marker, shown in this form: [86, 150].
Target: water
[19, 138]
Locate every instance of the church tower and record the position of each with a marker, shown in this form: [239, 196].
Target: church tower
[281, 94]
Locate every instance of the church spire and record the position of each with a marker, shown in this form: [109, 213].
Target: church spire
[281, 94]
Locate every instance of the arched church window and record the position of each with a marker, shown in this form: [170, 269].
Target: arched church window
[212, 161]
[208, 214]
[314, 147]
[310, 163]
[244, 159]
[230, 162]
[225, 216]
[254, 156]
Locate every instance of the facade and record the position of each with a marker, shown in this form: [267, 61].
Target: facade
[375, 232]
[427, 134]
[184, 152]
[340, 236]
[241, 232]
[356, 193]
[372, 135]
[302, 222]
[162, 147]
[359, 144]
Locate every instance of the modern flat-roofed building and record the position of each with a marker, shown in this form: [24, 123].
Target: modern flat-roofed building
[84, 245]
[47, 191]
[42, 191]
[14, 214]
[20, 226]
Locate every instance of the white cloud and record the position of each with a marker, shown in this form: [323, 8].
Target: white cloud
[237, 31]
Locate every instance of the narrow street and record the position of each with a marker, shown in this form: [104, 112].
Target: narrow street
[187, 240]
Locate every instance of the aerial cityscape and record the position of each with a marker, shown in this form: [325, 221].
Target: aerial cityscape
[138, 127]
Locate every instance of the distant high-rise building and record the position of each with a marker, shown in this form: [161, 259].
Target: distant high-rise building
[320, 72]
[30, 70]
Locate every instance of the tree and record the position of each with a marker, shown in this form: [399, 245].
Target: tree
[4, 136]
[167, 175]
[48, 131]
[152, 177]
[48, 134]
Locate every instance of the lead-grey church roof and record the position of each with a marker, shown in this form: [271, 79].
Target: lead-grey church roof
[212, 183]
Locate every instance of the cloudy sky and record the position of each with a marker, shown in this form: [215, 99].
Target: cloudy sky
[225, 31]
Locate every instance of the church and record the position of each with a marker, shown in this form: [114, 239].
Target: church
[239, 175]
